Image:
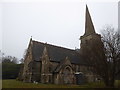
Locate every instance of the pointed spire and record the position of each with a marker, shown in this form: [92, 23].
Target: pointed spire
[89, 27]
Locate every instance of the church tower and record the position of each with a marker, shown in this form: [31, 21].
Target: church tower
[90, 33]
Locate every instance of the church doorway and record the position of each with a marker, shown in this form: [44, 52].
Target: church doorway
[67, 75]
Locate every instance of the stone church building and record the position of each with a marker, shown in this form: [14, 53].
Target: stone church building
[46, 63]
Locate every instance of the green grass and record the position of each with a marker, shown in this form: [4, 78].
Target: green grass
[18, 84]
[117, 83]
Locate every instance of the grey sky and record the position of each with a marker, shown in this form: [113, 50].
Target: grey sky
[119, 16]
[56, 23]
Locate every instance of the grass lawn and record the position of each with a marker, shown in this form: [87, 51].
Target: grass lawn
[12, 83]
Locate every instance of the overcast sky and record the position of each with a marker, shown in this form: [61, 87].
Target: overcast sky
[57, 23]
[119, 16]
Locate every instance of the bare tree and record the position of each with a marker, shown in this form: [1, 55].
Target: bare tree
[111, 41]
[104, 56]
[9, 59]
[22, 61]
[14, 60]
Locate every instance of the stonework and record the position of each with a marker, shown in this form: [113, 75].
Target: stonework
[47, 63]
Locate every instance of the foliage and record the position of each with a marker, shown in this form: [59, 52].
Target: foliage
[10, 70]
[9, 59]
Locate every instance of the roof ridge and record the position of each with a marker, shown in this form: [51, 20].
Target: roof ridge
[54, 45]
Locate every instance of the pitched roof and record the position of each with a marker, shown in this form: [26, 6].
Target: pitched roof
[62, 64]
[56, 53]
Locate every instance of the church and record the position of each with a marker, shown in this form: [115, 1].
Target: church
[46, 63]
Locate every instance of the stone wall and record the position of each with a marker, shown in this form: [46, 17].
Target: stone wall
[36, 75]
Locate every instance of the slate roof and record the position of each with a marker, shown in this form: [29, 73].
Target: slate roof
[61, 65]
[56, 53]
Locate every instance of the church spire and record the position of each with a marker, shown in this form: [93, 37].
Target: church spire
[89, 27]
